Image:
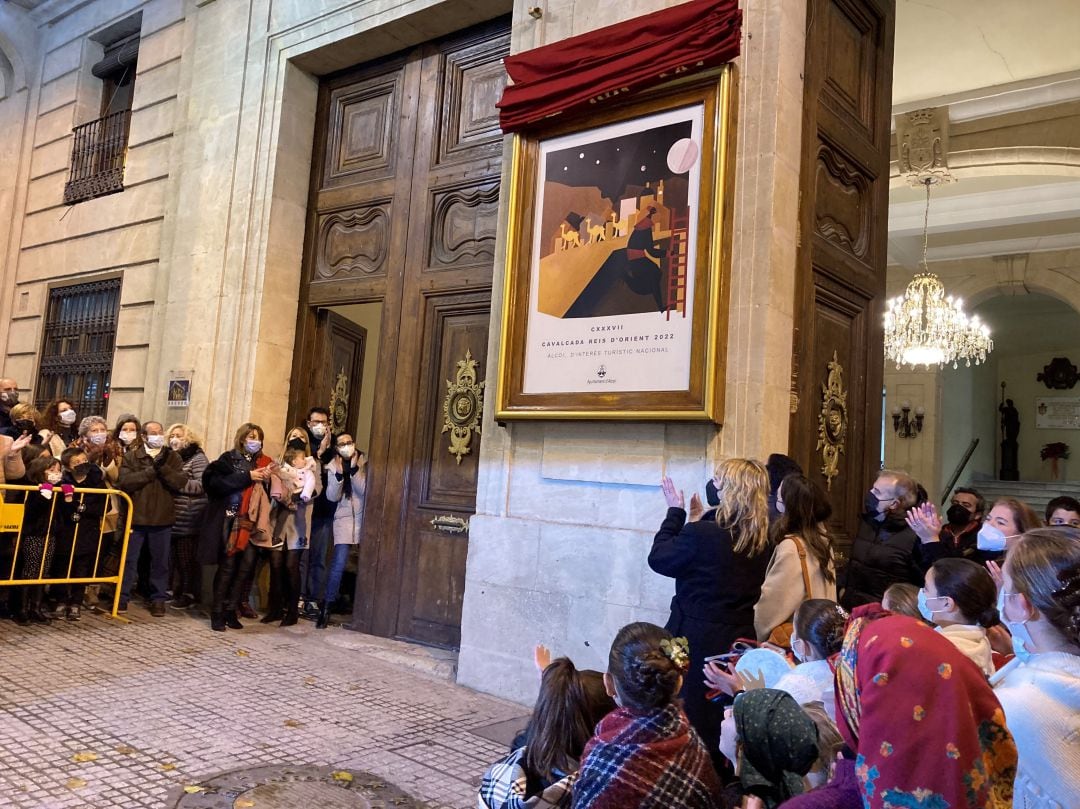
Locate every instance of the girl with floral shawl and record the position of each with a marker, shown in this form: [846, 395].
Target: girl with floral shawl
[645, 755]
[927, 728]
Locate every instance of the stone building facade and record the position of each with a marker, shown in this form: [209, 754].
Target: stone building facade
[207, 239]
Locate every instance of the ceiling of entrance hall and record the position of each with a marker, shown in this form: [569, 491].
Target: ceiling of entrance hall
[1010, 75]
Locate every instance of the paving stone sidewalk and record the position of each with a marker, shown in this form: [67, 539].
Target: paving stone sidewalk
[105, 715]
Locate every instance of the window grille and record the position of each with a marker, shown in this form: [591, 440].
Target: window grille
[97, 158]
[78, 345]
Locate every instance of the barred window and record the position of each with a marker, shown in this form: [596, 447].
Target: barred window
[78, 344]
[99, 147]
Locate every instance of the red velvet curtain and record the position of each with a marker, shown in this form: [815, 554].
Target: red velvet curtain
[568, 75]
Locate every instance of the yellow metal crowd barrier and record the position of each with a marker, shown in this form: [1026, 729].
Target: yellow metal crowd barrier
[14, 536]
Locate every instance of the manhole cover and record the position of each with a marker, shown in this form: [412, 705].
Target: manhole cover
[293, 787]
[288, 796]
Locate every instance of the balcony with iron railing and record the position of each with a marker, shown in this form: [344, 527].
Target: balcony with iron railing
[97, 158]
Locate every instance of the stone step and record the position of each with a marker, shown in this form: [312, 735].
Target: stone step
[1036, 493]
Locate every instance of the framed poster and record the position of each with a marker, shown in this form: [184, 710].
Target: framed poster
[615, 304]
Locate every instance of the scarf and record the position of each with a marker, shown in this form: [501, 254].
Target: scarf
[779, 743]
[188, 452]
[651, 760]
[242, 524]
[926, 725]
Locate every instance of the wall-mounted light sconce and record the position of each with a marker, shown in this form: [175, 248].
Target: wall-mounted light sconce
[903, 424]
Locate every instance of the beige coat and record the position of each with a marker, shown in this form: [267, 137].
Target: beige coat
[783, 590]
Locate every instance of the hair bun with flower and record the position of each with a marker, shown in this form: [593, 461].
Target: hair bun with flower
[677, 650]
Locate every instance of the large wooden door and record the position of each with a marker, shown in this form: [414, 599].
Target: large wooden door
[843, 222]
[403, 211]
[337, 379]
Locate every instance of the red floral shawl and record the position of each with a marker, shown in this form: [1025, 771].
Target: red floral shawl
[927, 728]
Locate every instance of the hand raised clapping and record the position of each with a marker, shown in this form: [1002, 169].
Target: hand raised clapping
[925, 521]
[673, 496]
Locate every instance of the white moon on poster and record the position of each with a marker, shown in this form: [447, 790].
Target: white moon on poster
[682, 155]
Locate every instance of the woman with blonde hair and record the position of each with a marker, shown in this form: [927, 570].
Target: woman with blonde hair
[718, 564]
[190, 507]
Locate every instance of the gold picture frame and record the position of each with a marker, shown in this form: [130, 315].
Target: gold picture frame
[616, 292]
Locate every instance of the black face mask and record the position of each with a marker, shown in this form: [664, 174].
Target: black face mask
[297, 443]
[958, 515]
[26, 425]
[81, 470]
[870, 504]
[712, 494]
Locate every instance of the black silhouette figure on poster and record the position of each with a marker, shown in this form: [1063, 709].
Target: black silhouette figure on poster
[1010, 432]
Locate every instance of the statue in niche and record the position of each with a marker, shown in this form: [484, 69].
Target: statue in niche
[1010, 432]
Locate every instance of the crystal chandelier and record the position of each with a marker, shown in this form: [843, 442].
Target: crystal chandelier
[926, 327]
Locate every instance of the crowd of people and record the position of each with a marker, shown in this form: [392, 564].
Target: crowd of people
[245, 510]
[938, 668]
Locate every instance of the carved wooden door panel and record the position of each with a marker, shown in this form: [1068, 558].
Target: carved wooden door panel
[403, 212]
[337, 380]
[444, 322]
[838, 348]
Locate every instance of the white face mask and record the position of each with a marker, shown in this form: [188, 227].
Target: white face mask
[98, 439]
[1021, 638]
[176, 443]
[346, 452]
[126, 436]
[54, 477]
[990, 539]
[68, 417]
[318, 430]
[155, 441]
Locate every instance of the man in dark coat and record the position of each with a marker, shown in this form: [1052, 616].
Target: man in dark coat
[886, 550]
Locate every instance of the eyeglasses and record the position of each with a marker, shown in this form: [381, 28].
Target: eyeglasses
[345, 444]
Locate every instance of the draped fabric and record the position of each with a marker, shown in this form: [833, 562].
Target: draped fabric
[926, 726]
[574, 73]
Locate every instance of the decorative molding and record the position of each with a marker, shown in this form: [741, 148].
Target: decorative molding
[987, 102]
[464, 225]
[463, 407]
[843, 192]
[1060, 374]
[353, 242]
[364, 121]
[922, 146]
[832, 421]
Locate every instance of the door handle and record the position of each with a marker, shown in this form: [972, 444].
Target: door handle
[450, 524]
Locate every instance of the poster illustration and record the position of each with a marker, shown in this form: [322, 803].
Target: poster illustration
[617, 259]
[611, 278]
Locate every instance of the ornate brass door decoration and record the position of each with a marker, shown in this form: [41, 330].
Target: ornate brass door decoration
[462, 407]
[832, 421]
[339, 403]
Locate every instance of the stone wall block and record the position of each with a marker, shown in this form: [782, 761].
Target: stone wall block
[46, 192]
[129, 367]
[59, 92]
[156, 84]
[504, 552]
[54, 125]
[116, 248]
[113, 211]
[603, 453]
[51, 158]
[25, 337]
[592, 562]
[138, 283]
[62, 60]
[133, 326]
[150, 123]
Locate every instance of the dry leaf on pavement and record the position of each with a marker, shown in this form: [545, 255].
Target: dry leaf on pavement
[79, 758]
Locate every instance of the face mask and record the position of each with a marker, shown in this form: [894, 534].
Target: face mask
[958, 515]
[318, 430]
[1021, 638]
[297, 443]
[68, 417]
[870, 504]
[990, 539]
[924, 608]
[81, 470]
[346, 452]
[253, 446]
[26, 425]
[127, 436]
[155, 441]
[712, 494]
[800, 650]
[176, 443]
[97, 439]
[10, 397]
[779, 506]
[53, 477]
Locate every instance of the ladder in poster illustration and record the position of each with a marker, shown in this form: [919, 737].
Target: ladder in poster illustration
[677, 259]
